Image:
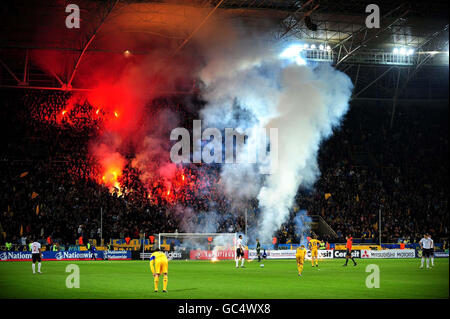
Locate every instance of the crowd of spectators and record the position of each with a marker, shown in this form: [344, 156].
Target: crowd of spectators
[369, 168]
[48, 183]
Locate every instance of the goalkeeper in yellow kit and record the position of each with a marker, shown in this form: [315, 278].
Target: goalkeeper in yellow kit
[300, 256]
[159, 264]
[314, 246]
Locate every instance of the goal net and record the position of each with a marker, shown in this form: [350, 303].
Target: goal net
[212, 246]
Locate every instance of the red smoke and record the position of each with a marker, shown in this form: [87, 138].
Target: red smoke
[125, 71]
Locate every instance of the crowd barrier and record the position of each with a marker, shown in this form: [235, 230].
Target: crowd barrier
[220, 254]
[66, 255]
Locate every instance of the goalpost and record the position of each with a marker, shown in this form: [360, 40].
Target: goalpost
[207, 241]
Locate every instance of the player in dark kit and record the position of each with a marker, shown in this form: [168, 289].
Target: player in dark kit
[349, 250]
[93, 251]
[258, 250]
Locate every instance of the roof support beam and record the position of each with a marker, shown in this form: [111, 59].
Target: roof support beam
[421, 60]
[363, 42]
[294, 20]
[25, 69]
[373, 82]
[9, 71]
[69, 83]
[196, 29]
[395, 99]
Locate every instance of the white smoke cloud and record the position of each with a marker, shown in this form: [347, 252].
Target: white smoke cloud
[302, 226]
[311, 103]
[303, 102]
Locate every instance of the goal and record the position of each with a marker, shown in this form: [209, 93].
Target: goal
[214, 242]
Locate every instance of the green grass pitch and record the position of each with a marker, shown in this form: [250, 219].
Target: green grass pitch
[221, 280]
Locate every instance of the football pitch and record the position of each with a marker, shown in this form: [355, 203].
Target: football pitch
[399, 279]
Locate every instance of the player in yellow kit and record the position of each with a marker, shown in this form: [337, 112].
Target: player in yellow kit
[314, 246]
[159, 264]
[300, 256]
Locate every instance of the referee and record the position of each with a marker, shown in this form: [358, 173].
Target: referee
[348, 254]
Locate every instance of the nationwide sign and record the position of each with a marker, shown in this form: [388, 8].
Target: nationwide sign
[15, 255]
[115, 254]
[437, 254]
[388, 253]
[441, 254]
[273, 254]
[66, 255]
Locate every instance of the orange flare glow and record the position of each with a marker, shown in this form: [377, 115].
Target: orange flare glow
[110, 179]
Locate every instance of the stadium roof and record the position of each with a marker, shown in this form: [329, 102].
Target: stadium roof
[412, 23]
[111, 26]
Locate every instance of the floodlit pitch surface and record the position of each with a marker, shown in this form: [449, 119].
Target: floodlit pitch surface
[204, 279]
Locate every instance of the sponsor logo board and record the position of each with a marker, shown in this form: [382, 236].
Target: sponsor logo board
[441, 254]
[66, 255]
[219, 254]
[289, 254]
[171, 255]
[388, 253]
[343, 253]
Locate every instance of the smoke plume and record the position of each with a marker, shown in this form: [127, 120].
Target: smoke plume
[303, 102]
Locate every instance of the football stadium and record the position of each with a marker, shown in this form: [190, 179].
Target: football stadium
[224, 149]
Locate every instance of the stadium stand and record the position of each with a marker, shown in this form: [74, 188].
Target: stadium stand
[47, 187]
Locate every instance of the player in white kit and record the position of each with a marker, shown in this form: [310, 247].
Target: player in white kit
[425, 245]
[36, 256]
[239, 252]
